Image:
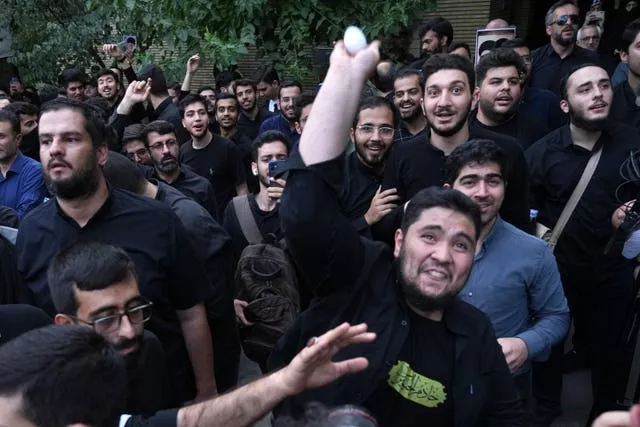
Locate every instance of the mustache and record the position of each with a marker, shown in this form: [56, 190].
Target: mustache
[125, 343]
[168, 157]
[432, 264]
[57, 160]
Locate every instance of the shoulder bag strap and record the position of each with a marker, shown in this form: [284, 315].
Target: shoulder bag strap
[246, 219]
[575, 198]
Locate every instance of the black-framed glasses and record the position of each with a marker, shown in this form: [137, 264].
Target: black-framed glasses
[107, 324]
[385, 131]
[160, 145]
[141, 152]
[564, 19]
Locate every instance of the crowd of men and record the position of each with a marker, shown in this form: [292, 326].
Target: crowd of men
[401, 204]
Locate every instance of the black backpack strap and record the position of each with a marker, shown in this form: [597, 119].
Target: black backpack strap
[246, 219]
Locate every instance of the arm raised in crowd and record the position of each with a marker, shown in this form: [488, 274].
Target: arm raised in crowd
[324, 244]
[311, 368]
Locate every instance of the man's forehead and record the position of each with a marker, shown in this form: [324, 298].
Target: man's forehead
[196, 106]
[446, 77]
[411, 80]
[229, 102]
[155, 136]
[502, 71]
[475, 168]
[567, 9]
[451, 221]
[273, 147]
[379, 112]
[587, 75]
[133, 144]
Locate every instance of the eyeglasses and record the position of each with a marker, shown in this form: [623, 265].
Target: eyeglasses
[526, 58]
[385, 131]
[564, 19]
[591, 39]
[108, 324]
[160, 145]
[139, 153]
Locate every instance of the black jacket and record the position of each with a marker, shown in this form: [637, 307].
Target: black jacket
[354, 280]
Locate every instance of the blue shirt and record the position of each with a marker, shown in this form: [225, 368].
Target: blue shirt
[620, 74]
[514, 278]
[23, 188]
[279, 123]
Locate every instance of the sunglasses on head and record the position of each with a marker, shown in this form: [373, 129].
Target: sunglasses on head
[564, 19]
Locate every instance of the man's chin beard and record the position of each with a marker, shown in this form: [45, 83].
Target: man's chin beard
[83, 184]
[421, 302]
[589, 125]
[565, 42]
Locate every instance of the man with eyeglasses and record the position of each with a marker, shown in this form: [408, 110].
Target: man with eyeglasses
[285, 122]
[133, 145]
[552, 62]
[95, 284]
[361, 199]
[162, 143]
[589, 37]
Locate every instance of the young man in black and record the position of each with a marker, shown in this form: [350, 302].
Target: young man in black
[372, 135]
[418, 164]
[95, 285]
[210, 155]
[285, 121]
[436, 360]
[72, 150]
[268, 87]
[251, 114]
[499, 86]
[160, 140]
[556, 164]
[269, 146]
[28, 115]
[72, 81]
[626, 107]
[408, 90]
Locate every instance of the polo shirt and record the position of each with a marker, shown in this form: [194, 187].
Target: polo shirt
[169, 272]
[23, 188]
[548, 69]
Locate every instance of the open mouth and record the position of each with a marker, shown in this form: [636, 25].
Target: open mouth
[599, 106]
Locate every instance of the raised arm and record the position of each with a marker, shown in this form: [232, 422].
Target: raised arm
[324, 244]
[192, 66]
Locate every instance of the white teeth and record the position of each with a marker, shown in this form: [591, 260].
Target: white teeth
[437, 274]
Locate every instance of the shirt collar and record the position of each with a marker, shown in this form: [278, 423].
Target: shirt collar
[18, 164]
[163, 106]
[100, 213]
[489, 238]
[629, 95]
[357, 164]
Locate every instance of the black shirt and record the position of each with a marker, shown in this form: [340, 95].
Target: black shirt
[624, 108]
[146, 373]
[196, 188]
[416, 164]
[169, 111]
[168, 270]
[418, 386]
[245, 149]
[353, 280]
[220, 163]
[402, 134]
[556, 165]
[360, 185]
[547, 69]
[252, 127]
[16, 319]
[526, 130]
[166, 418]
[268, 224]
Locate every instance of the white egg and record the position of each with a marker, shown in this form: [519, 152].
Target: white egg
[354, 39]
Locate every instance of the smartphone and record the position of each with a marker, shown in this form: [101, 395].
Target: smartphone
[275, 166]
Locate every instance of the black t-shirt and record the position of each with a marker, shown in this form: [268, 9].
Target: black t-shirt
[526, 130]
[245, 148]
[417, 391]
[196, 188]
[220, 163]
[268, 224]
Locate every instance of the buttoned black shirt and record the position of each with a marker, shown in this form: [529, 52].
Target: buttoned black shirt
[624, 108]
[548, 69]
[416, 164]
[556, 165]
[169, 273]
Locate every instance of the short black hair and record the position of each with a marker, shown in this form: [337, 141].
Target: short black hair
[191, 99]
[158, 80]
[161, 127]
[203, 88]
[498, 58]
[267, 138]
[408, 72]
[133, 132]
[287, 84]
[438, 197]
[475, 151]
[72, 75]
[87, 266]
[94, 124]
[515, 44]
[307, 98]
[21, 108]
[458, 45]
[101, 105]
[9, 116]
[374, 102]
[564, 82]
[48, 93]
[106, 72]
[444, 61]
[225, 77]
[438, 25]
[64, 374]
[123, 173]
[247, 82]
[226, 95]
[175, 86]
[266, 73]
[548, 18]
[629, 34]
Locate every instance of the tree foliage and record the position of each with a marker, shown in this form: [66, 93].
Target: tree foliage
[48, 35]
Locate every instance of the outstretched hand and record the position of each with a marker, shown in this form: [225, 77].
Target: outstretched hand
[364, 61]
[193, 64]
[312, 367]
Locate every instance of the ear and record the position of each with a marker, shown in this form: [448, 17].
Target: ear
[298, 130]
[62, 319]
[183, 124]
[352, 135]
[564, 106]
[424, 110]
[254, 168]
[18, 139]
[102, 153]
[624, 57]
[399, 239]
[444, 41]
[548, 30]
[476, 93]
